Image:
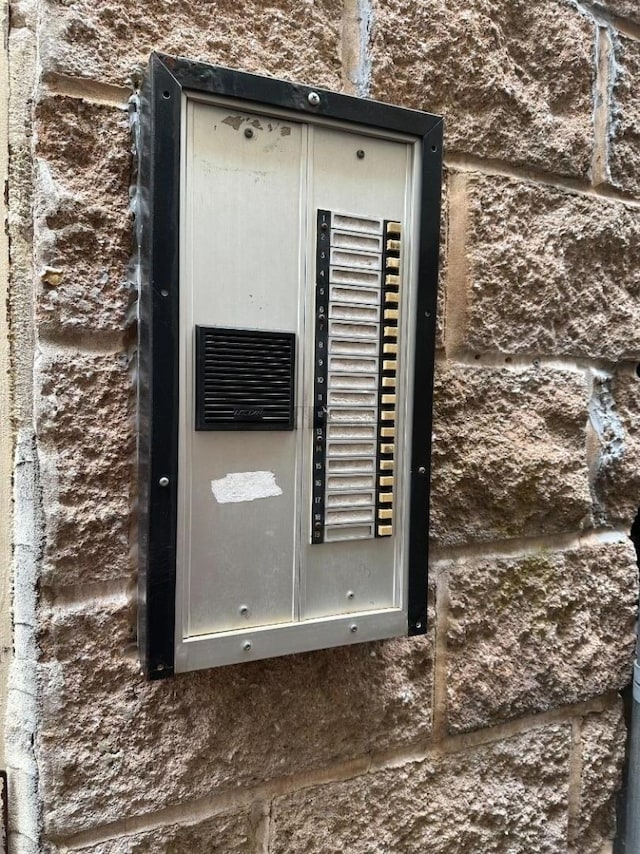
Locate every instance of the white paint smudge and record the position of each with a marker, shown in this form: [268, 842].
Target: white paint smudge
[245, 486]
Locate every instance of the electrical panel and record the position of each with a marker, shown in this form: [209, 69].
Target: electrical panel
[288, 241]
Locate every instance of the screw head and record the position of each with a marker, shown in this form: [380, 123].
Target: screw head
[360, 154]
[248, 132]
[164, 481]
[243, 610]
[353, 628]
[246, 646]
[418, 625]
[313, 98]
[350, 594]
[422, 470]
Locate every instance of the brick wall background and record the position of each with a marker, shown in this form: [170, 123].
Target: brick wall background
[502, 730]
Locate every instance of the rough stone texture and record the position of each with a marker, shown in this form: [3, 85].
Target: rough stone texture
[548, 272]
[623, 8]
[508, 797]
[82, 202]
[508, 454]
[624, 143]
[615, 448]
[86, 448]
[104, 726]
[554, 628]
[106, 40]
[221, 834]
[603, 746]
[442, 268]
[513, 81]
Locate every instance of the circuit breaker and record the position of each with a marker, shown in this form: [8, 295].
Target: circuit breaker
[288, 242]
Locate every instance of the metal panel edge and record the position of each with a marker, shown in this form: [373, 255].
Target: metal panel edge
[216, 79]
[275, 641]
[157, 227]
[428, 261]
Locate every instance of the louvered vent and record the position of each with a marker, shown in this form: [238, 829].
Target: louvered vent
[244, 379]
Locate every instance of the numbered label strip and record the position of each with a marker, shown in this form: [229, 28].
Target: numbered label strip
[357, 285]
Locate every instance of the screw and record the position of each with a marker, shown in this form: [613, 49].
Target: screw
[422, 470]
[159, 666]
[353, 628]
[248, 133]
[418, 625]
[243, 610]
[164, 481]
[360, 154]
[313, 98]
[246, 646]
[350, 594]
[536, 363]
[324, 226]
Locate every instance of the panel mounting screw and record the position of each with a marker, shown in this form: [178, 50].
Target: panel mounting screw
[350, 594]
[164, 481]
[246, 646]
[353, 628]
[248, 133]
[422, 470]
[243, 610]
[313, 98]
[418, 625]
[360, 154]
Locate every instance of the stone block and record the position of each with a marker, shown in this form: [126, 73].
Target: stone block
[624, 139]
[221, 834]
[509, 454]
[112, 745]
[622, 8]
[107, 40]
[86, 448]
[614, 442]
[82, 208]
[531, 633]
[514, 82]
[548, 272]
[504, 798]
[603, 744]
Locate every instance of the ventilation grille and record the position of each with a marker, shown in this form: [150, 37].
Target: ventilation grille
[244, 379]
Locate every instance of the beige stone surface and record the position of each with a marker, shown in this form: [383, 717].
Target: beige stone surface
[603, 745]
[548, 272]
[507, 798]
[513, 79]
[615, 448]
[112, 745]
[223, 834]
[509, 454]
[82, 207]
[624, 143]
[86, 452]
[296, 40]
[624, 8]
[528, 634]
[443, 266]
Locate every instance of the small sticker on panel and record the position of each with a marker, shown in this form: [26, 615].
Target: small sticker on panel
[245, 486]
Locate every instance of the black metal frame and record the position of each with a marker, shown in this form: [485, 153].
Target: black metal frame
[158, 239]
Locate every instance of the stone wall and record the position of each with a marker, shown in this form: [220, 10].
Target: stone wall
[501, 730]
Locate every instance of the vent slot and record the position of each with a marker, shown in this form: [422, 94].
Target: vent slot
[244, 379]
